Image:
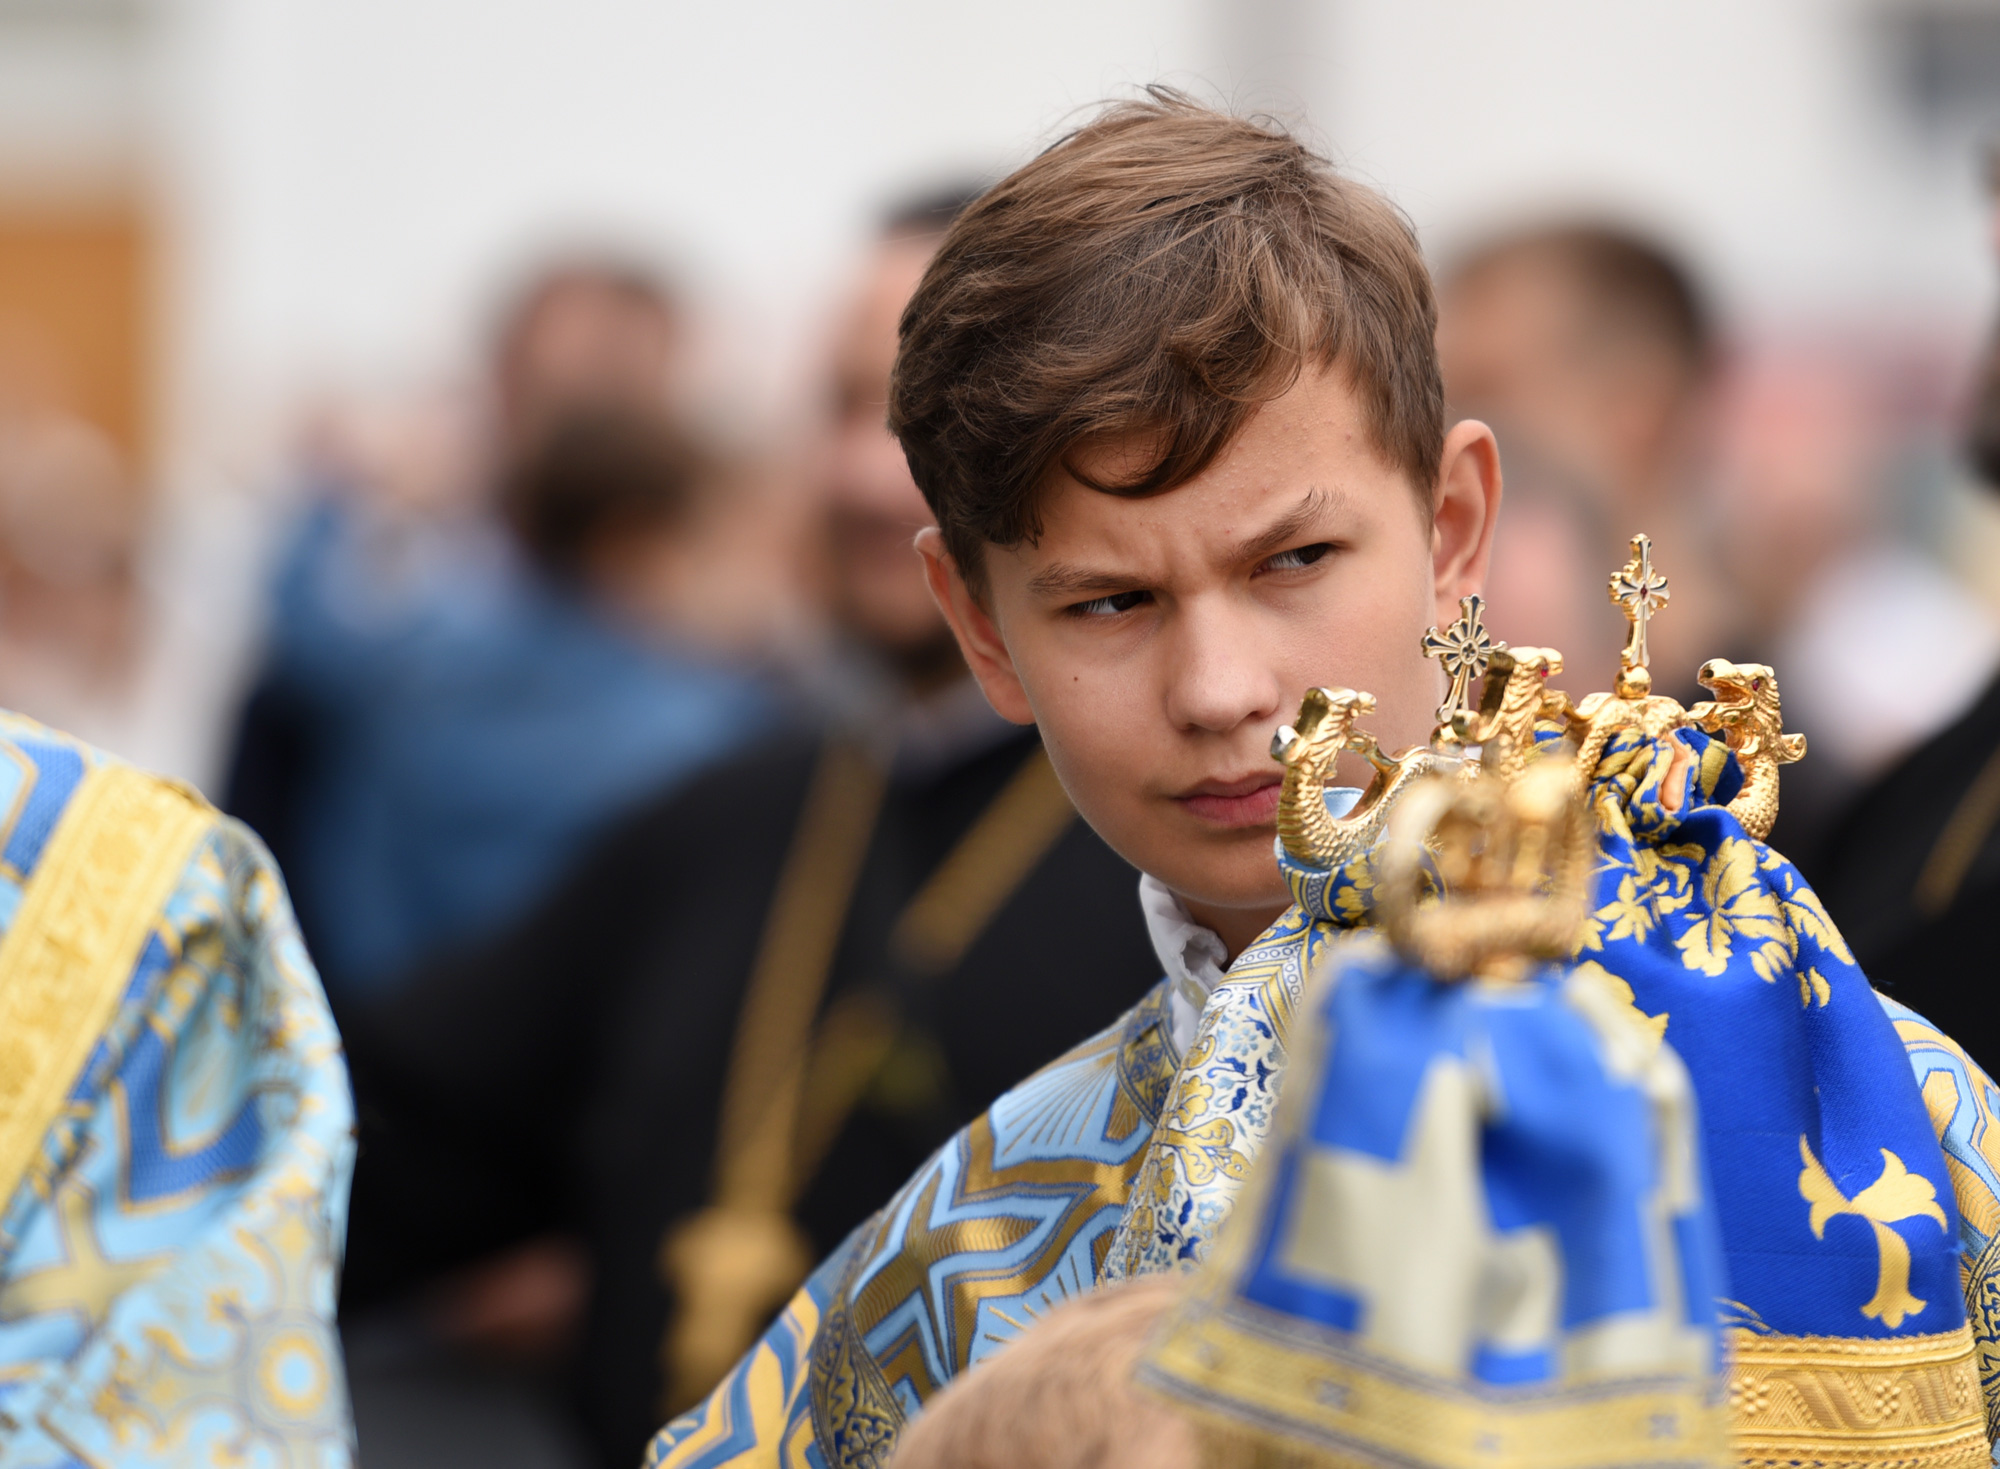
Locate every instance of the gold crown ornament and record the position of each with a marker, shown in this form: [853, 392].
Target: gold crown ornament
[1746, 712]
[1512, 859]
[1496, 738]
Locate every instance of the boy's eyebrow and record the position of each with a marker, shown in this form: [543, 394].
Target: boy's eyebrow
[1280, 533]
[1064, 580]
[1061, 579]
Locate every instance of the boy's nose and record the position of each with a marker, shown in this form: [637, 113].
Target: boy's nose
[1217, 676]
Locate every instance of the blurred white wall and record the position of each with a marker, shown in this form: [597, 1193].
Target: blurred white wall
[1775, 139]
[352, 179]
[358, 176]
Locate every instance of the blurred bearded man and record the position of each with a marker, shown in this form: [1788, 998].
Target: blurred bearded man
[757, 1006]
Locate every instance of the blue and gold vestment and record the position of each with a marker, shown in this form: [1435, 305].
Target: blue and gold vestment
[176, 1133]
[1849, 1148]
[1479, 1236]
[1012, 1216]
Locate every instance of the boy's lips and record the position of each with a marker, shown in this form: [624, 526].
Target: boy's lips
[1251, 801]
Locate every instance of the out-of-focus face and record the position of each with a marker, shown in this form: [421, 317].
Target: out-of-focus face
[1159, 642]
[586, 344]
[1516, 345]
[1509, 340]
[873, 507]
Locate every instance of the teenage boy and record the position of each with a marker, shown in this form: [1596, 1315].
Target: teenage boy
[1172, 395]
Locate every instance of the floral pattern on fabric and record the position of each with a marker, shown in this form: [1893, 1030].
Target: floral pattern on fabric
[1222, 1104]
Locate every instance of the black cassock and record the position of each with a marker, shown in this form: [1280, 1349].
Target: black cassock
[1912, 877]
[568, 1075]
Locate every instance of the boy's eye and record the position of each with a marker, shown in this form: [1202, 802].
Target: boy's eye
[1296, 559]
[1112, 605]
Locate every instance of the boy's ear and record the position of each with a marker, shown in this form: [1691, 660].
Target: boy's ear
[978, 638]
[1467, 504]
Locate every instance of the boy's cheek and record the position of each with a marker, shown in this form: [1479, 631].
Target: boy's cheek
[1102, 759]
[1380, 652]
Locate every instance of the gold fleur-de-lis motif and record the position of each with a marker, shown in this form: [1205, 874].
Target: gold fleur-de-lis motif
[1896, 1195]
[1640, 591]
[1463, 650]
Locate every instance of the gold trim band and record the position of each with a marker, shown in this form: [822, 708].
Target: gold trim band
[1358, 1407]
[114, 859]
[1856, 1403]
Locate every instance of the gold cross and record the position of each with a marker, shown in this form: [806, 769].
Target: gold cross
[1896, 1195]
[1639, 591]
[1463, 650]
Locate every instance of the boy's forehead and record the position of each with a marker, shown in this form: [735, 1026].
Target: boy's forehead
[1303, 462]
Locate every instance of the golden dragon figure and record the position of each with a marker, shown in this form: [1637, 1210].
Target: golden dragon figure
[1515, 699]
[1747, 714]
[1309, 751]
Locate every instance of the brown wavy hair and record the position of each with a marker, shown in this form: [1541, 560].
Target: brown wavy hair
[1150, 279]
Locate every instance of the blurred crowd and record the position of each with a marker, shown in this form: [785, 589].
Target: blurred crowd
[559, 686]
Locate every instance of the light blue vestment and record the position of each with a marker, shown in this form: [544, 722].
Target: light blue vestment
[175, 1199]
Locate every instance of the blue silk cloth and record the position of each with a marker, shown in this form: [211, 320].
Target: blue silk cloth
[1481, 1233]
[176, 1133]
[1807, 1095]
[1841, 1198]
[1842, 1138]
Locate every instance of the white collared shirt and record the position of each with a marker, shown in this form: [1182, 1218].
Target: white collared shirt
[1191, 955]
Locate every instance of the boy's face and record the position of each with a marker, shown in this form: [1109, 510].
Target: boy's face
[1159, 642]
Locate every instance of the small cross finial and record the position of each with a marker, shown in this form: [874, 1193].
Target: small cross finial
[1463, 650]
[1639, 591]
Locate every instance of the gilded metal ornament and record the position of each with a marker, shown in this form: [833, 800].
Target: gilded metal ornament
[1640, 591]
[1311, 749]
[1747, 714]
[1516, 697]
[1462, 649]
[1495, 740]
[1479, 878]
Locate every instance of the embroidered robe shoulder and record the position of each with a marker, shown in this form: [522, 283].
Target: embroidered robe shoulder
[175, 1132]
[1010, 1217]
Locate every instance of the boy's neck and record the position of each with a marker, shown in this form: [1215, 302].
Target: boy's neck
[1238, 928]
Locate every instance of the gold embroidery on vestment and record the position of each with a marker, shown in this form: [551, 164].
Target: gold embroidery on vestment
[116, 854]
[1897, 1194]
[85, 1280]
[791, 1086]
[1808, 1402]
[1963, 836]
[985, 868]
[1361, 1407]
[733, 1262]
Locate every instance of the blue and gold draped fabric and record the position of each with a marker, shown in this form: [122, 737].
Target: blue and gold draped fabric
[1848, 1144]
[176, 1133]
[1479, 1235]
[1841, 1209]
[1010, 1218]
[1226, 1092]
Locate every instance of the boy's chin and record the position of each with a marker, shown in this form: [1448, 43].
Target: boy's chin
[1239, 873]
